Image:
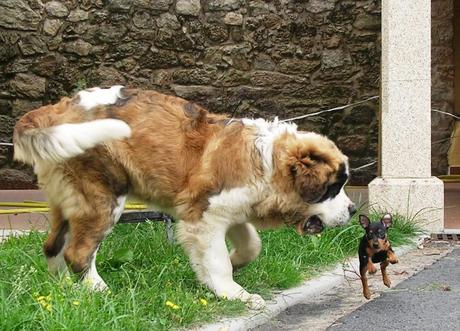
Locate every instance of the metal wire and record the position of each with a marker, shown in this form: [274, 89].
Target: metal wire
[329, 110]
[446, 113]
[364, 166]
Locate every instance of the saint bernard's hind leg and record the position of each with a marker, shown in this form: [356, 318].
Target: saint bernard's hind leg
[87, 231]
[204, 243]
[246, 244]
[55, 244]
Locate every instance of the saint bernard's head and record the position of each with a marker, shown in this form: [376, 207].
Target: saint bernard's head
[316, 170]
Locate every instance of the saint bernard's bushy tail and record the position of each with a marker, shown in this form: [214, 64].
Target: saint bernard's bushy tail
[44, 135]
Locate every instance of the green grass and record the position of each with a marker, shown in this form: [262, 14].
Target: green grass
[143, 271]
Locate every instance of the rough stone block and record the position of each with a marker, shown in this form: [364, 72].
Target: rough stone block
[6, 126]
[52, 26]
[17, 14]
[56, 9]
[298, 67]
[318, 6]
[367, 22]
[77, 15]
[143, 20]
[162, 5]
[29, 85]
[32, 44]
[188, 7]
[233, 19]
[16, 179]
[119, 5]
[79, 47]
[18, 65]
[334, 58]
[224, 4]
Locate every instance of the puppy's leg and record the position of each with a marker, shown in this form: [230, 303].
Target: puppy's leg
[204, 243]
[246, 244]
[362, 272]
[392, 258]
[386, 279]
[55, 243]
[370, 266]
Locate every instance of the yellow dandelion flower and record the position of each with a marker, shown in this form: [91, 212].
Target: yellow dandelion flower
[48, 307]
[203, 302]
[171, 305]
[76, 303]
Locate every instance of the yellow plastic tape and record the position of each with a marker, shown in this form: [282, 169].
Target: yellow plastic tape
[23, 211]
[42, 207]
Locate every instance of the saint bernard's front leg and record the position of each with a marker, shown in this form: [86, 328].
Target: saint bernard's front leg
[204, 243]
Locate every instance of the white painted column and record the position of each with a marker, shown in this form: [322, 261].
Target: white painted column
[406, 186]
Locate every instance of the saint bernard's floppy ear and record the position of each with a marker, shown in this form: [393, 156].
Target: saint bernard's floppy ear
[311, 174]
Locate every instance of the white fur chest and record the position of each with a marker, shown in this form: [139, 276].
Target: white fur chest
[236, 204]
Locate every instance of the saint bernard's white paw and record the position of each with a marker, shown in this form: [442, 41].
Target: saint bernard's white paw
[255, 301]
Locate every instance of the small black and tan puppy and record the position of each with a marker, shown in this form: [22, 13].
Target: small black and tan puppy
[375, 248]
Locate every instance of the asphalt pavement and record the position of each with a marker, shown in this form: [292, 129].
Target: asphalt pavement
[429, 300]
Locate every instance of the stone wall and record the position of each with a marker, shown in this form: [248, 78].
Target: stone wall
[442, 90]
[246, 58]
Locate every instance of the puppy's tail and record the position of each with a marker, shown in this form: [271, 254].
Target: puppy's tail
[44, 135]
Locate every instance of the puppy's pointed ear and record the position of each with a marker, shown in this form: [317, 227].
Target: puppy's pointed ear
[364, 221]
[387, 220]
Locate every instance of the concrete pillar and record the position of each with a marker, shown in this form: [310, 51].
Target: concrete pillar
[406, 186]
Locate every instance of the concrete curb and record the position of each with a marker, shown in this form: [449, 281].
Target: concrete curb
[295, 295]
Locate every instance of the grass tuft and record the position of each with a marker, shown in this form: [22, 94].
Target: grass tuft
[152, 286]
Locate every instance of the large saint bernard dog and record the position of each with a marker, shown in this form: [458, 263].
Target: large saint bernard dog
[220, 177]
